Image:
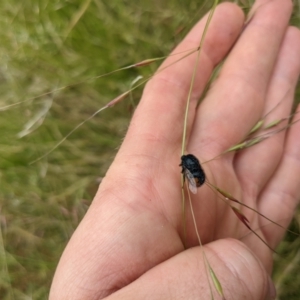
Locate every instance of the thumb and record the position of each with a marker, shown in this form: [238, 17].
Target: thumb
[184, 276]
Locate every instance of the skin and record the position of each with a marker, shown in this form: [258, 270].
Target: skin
[130, 243]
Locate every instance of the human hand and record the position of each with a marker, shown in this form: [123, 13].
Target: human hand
[130, 243]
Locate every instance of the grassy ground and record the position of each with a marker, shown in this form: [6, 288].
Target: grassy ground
[48, 44]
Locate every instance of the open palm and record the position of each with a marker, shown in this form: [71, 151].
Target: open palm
[130, 243]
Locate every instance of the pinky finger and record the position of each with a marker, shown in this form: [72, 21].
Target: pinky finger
[281, 195]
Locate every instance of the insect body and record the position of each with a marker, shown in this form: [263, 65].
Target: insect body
[191, 169]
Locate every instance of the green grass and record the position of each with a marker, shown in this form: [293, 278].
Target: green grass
[48, 44]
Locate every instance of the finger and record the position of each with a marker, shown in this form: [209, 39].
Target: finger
[257, 164]
[236, 101]
[158, 121]
[184, 276]
[282, 193]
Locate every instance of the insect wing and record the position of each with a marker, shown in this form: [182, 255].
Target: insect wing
[191, 180]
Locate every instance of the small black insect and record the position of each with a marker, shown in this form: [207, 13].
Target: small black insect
[191, 169]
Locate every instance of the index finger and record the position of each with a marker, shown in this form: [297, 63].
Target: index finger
[160, 113]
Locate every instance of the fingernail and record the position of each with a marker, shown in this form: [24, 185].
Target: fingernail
[271, 290]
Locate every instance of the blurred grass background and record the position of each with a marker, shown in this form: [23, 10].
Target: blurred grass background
[45, 45]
